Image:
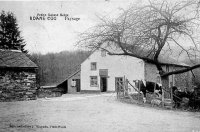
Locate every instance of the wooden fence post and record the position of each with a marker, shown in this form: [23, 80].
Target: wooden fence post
[124, 86]
[138, 91]
[117, 88]
[163, 97]
[154, 91]
[171, 94]
[171, 98]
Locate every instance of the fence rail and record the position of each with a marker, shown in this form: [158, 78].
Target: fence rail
[123, 92]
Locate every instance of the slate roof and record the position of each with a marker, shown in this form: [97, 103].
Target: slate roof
[75, 70]
[163, 58]
[15, 59]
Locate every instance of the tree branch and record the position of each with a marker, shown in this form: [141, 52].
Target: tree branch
[180, 71]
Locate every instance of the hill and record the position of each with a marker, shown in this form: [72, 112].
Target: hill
[55, 67]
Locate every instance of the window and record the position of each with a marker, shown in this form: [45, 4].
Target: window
[103, 53]
[73, 83]
[93, 81]
[93, 66]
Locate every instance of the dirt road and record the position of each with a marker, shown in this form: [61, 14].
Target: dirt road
[92, 113]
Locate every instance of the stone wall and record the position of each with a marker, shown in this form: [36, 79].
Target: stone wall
[49, 92]
[17, 85]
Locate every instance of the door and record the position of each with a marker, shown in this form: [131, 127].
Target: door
[78, 85]
[103, 84]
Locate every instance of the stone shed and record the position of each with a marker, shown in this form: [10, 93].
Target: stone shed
[17, 76]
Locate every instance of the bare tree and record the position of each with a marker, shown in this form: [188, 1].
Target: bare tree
[149, 31]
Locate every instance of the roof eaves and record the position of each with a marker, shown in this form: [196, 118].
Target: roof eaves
[176, 65]
[74, 73]
[19, 67]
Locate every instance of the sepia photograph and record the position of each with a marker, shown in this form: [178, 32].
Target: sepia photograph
[100, 66]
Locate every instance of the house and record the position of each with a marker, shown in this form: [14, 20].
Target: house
[103, 72]
[17, 76]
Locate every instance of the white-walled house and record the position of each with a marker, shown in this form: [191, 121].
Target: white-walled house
[103, 72]
[100, 71]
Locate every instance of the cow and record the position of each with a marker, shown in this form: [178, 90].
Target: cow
[178, 96]
[194, 98]
[194, 103]
[150, 87]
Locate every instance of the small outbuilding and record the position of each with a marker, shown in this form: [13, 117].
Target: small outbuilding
[72, 83]
[17, 76]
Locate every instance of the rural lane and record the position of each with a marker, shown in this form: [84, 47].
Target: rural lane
[92, 113]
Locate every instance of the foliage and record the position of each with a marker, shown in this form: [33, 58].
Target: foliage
[10, 37]
[56, 67]
[148, 31]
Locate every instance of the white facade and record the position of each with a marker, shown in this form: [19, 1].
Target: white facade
[118, 66]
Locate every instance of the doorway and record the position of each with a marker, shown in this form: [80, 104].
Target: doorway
[103, 84]
[78, 85]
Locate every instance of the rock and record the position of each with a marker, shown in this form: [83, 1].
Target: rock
[14, 86]
[5, 95]
[28, 93]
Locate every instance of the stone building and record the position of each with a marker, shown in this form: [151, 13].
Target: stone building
[17, 76]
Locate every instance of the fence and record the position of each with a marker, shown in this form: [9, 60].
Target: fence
[123, 91]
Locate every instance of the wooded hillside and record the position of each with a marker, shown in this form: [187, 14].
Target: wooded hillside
[55, 67]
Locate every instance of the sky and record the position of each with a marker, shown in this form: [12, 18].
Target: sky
[43, 35]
